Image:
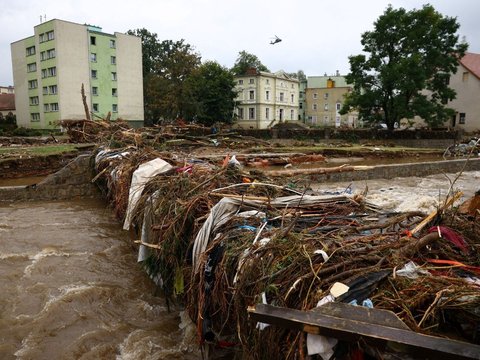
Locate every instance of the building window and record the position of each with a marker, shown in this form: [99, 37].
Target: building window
[114, 92]
[35, 117]
[292, 97]
[267, 113]
[240, 82]
[42, 38]
[338, 106]
[94, 74]
[465, 76]
[462, 118]
[45, 90]
[252, 81]
[112, 44]
[292, 114]
[93, 40]
[325, 107]
[32, 67]
[34, 100]
[46, 108]
[52, 71]
[54, 107]
[314, 107]
[315, 95]
[113, 60]
[325, 96]
[95, 107]
[300, 105]
[251, 113]
[281, 84]
[44, 73]
[32, 84]
[240, 113]
[50, 54]
[114, 108]
[267, 81]
[50, 35]
[267, 95]
[93, 57]
[114, 76]
[251, 95]
[293, 86]
[30, 50]
[282, 96]
[52, 89]
[43, 56]
[94, 91]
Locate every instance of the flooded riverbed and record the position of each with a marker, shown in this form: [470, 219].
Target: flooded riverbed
[71, 289]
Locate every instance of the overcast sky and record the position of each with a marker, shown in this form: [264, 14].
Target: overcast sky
[318, 35]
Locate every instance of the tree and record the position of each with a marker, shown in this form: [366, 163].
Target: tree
[247, 61]
[211, 90]
[166, 66]
[299, 75]
[411, 56]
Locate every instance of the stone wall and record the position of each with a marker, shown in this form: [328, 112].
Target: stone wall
[74, 180]
[402, 170]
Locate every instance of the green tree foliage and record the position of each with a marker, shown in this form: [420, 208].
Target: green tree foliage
[411, 55]
[247, 61]
[166, 66]
[211, 90]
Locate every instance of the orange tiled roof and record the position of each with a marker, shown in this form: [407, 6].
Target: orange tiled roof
[471, 61]
[7, 102]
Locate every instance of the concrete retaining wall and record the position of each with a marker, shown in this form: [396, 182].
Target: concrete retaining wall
[74, 180]
[402, 170]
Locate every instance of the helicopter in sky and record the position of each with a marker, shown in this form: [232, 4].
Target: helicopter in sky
[275, 40]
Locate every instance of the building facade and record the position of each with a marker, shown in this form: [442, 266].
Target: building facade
[50, 67]
[324, 97]
[265, 99]
[7, 104]
[466, 82]
[7, 90]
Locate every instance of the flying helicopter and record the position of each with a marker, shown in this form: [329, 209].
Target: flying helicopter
[275, 40]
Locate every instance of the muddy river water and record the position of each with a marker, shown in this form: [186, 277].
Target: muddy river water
[71, 287]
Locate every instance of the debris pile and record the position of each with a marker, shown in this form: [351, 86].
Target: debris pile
[220, 240]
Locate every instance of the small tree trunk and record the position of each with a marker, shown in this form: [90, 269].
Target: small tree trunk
[84, 99]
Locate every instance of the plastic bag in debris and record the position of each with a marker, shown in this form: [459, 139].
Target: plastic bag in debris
[319, 344]
[362, 286]
[140, 177]
[411, 271]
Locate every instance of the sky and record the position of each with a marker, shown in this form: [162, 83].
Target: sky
[317, 36]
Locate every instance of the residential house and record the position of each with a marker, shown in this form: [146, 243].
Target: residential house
[7, 90]
[324, 97]
[265, 99]
[50, 67]
[466, 82]
[7, 104]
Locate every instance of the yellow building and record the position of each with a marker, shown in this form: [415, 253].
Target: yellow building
[324, 97]
[265, 99]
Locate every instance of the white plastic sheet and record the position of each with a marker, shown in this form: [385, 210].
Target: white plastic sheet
[140, 177]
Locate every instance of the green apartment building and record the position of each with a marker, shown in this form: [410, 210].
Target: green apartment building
[50, 67]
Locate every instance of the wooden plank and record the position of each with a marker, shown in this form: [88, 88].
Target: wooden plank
[362, 313]
[343, 328]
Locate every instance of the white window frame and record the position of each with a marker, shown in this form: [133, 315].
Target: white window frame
[251, 95]
[113, 44]
[113, 60]
[93, 74]
[32, 67]
[267, 113]
[114, 92]
[30, 50]
[34, 116]
[54, 107]
[34, 100]
[94, 90]
[114, 76]
[53, 89]
[114, 108]
[93, 57]
[267, 95]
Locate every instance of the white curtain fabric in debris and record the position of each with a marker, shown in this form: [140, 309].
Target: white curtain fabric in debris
[140, 177]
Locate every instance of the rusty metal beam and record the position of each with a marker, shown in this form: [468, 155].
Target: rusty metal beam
[377, 327]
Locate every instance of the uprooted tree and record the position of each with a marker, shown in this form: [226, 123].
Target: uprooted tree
[411, 55]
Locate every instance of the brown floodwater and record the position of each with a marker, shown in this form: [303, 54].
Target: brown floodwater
[72, 289]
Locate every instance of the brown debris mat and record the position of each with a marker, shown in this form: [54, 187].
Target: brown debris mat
[289, 250]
